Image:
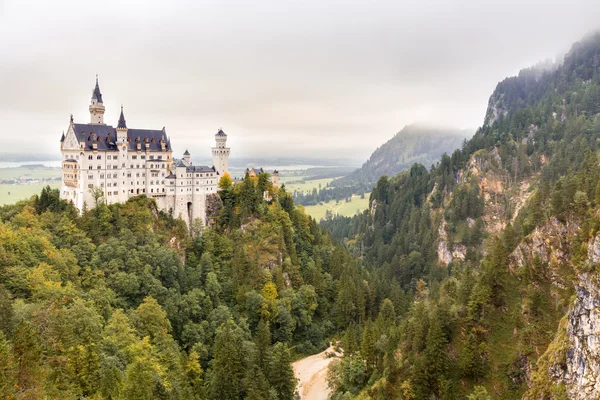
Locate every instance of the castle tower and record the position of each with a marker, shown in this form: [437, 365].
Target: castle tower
[122, 128]
[97, 107]
[221, 153]
[186, 157]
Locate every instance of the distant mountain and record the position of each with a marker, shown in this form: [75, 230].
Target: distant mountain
[413, 144]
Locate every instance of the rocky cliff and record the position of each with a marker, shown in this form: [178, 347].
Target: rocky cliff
[570, 368]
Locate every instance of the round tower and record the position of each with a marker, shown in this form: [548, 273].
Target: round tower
[97, 106]
[221, 153]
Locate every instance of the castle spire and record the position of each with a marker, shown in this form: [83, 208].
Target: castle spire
[97, 106]
[122, 124]
[96, 94]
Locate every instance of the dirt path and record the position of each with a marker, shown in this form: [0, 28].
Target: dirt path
[312, 375]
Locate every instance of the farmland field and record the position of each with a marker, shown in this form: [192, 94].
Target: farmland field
[29, 173]
[297, 183]
[341, 208]
[21, 192]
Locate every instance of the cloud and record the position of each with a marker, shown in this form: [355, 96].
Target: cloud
[334, 78]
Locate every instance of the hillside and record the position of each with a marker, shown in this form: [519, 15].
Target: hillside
[123, 302]
[496, 251]
[413, 144]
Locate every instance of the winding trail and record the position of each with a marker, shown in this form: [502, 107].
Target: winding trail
[312, 375]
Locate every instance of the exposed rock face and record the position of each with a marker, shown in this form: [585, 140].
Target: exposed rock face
[581, 371]
[551, 244]
[445, 254]
[594, 249]
[575, 351]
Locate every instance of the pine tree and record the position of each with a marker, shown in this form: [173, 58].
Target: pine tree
[367, 347]
[435, 359]
[227, 366]
[281, 375]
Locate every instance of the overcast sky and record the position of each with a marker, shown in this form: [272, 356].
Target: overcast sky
[297, 78]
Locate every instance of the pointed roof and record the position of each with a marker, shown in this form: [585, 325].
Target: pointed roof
[187, 153]
[62, 138]
[96, 94]
[122, 124]
[220, 133]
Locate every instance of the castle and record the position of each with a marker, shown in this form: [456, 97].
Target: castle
[125, 162]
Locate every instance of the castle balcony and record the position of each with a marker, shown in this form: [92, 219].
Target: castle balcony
[70, 173]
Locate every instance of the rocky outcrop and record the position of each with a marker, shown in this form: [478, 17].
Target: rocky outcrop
[580, 372]
[550, 244]
[571, 365]
[446, 251]
[594, 249]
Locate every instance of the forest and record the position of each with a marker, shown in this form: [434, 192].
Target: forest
[126, 302]
[480, 326]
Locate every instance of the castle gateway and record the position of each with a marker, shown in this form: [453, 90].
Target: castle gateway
[125, 162]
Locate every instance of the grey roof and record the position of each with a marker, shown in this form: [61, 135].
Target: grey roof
[179, 163]
[105, 135]
[62, 138]
[221, 133]
[122, 124]
[200, 168]
[171, 176]
[96, 94]
[187, 153]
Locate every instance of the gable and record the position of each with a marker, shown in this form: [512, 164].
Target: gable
[70, 142]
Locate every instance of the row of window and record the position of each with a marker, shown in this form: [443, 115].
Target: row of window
[115, 157]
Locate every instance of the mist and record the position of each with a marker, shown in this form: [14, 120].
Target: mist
[283, 79]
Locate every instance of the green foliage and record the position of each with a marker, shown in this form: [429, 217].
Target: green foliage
[122, 302]
[484, 319]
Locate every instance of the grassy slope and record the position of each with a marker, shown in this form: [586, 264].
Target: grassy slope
[20, 192]
[342, 208]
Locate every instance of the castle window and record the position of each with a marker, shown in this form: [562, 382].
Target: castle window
[134, 157]
[101, 176]
[90, 167]
[90, 176]
[114, 175]
[152, 157]
[90, 157]
[160, 157]
[98, 167]
[143, 157]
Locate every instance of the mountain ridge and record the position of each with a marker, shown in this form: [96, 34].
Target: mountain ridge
[418, 142]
